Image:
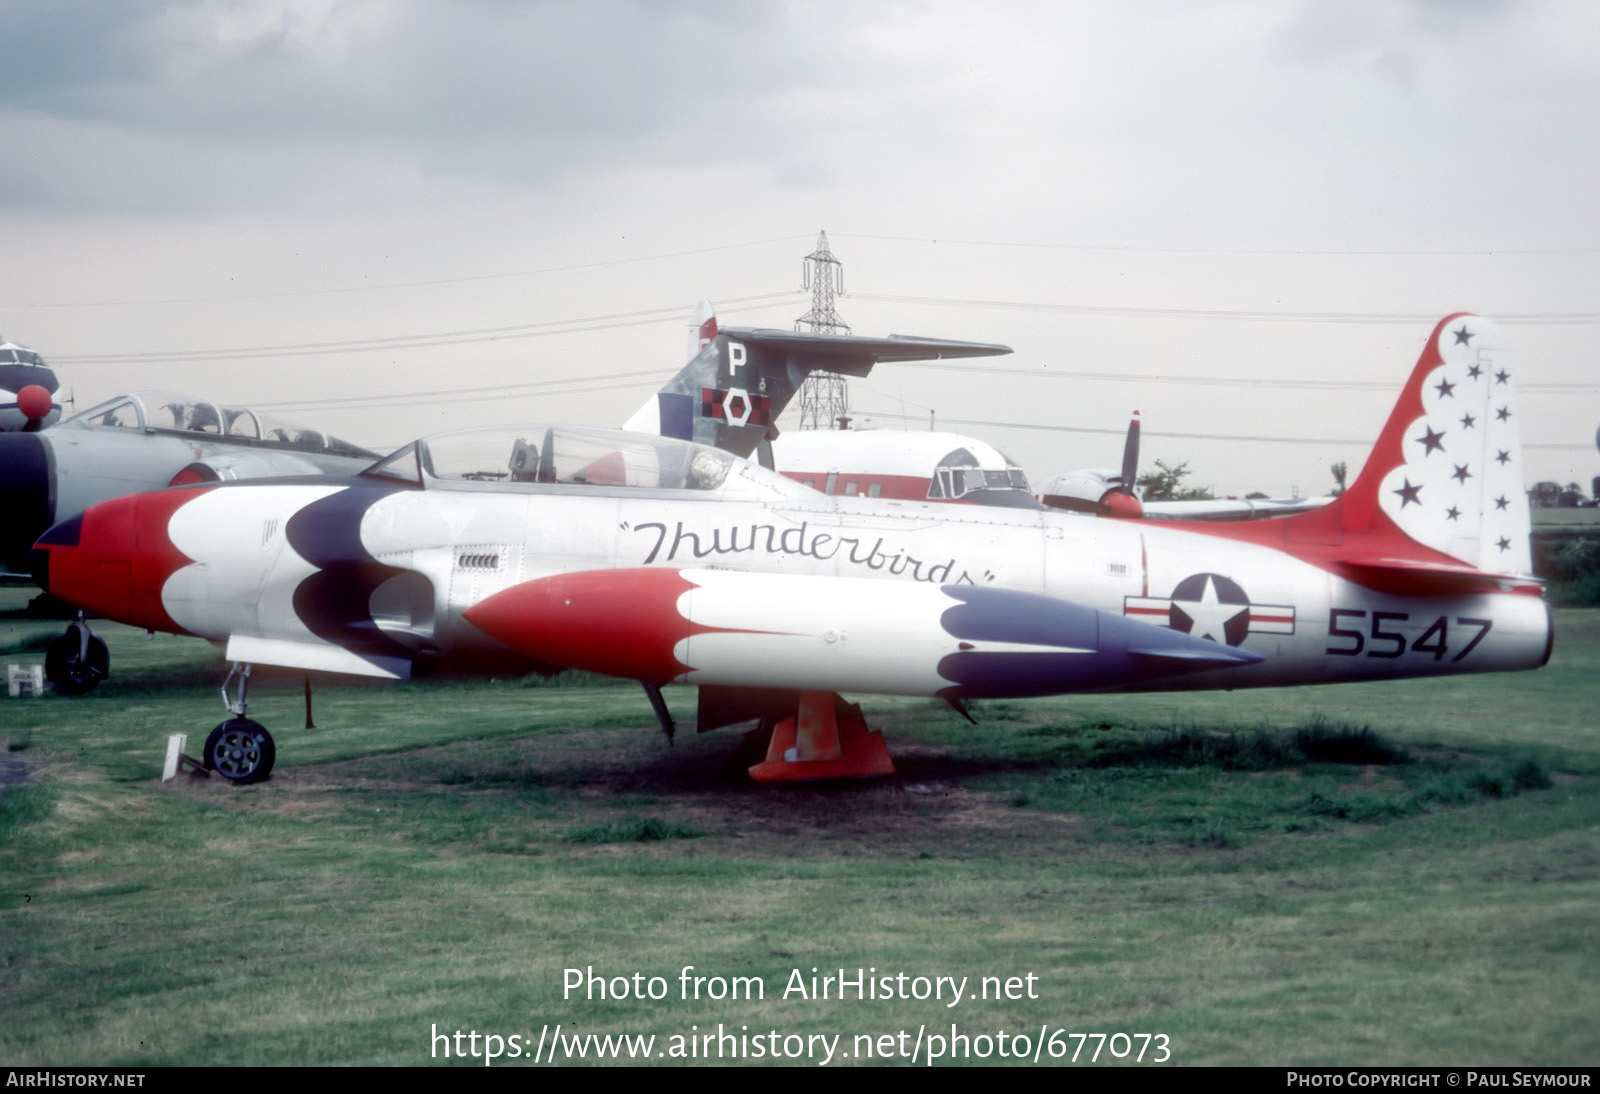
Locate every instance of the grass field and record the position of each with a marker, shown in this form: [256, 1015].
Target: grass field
[1400, 873]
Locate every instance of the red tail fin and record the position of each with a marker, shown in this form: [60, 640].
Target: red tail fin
[1447, 469]
[1441, 492]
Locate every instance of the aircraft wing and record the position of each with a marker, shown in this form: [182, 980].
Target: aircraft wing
[1232, 508]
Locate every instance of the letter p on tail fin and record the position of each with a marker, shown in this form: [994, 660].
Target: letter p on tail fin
[1447, 470]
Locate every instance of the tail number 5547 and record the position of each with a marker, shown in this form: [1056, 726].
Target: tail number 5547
[1379, 640]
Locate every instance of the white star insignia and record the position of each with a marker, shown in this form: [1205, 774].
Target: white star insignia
[1210, 615]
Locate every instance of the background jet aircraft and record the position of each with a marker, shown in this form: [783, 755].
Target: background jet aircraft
[733, 390]
[28, 390]
[668, 562]
[134, 443]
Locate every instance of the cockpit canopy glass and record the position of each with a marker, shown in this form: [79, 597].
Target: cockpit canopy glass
[170, 412]
[958, 474]
[559, 454]
[13, 354]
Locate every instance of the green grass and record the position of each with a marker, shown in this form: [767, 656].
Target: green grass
[631, 830]
[1399, 873]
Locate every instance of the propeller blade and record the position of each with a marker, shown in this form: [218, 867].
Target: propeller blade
[1130, 456]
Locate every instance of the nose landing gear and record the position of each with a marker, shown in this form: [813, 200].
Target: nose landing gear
[77, 661]
[240, 750]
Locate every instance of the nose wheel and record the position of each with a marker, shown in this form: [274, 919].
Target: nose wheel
[77, 661]
[241, 751]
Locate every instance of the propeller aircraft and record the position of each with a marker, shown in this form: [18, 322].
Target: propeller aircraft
[28, 390]
[1106, 493]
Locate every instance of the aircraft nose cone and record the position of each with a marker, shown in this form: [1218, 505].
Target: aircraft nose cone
[86, 560]
[25, 502]
[34, 402]
[114, 559]
[1123, 506]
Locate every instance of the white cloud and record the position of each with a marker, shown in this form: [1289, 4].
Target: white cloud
[190, 151]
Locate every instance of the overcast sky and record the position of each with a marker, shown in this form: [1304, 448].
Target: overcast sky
[517, 194]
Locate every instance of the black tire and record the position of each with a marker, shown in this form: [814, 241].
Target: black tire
[76, 669]
[241, 751]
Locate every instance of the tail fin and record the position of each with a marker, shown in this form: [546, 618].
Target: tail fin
[705, 328]
[733, 390]
[1439, 503]
[669, 413]
[1447, 468]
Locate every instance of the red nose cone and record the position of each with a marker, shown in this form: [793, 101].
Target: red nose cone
[1122, 506]
[617, 622]
[114, 560]
[34, 402]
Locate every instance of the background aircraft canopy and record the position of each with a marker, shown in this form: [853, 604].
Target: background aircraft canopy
[902, 464]
[959, 474]
[170, 412]
[13, 354]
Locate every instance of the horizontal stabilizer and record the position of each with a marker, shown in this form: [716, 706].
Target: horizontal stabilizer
[732, 392]
[854, 356]
[1406, 576]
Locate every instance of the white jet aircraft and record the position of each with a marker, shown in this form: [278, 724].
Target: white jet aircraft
[664, 561]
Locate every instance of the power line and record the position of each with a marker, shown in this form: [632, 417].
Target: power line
[1231, 437]
[1120, 248]
[430, 340]
[1211, 381]
[410, 284]
[471, 394]
[431, 398]
[1584, 318]
[569, 267]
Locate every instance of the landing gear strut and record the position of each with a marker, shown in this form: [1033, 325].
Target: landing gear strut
[77, 661]
[239, 749]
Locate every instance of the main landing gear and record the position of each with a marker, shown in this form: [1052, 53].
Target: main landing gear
[239, 749]
[77, 661]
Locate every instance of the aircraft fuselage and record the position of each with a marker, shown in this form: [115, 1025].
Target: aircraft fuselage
[372, 577]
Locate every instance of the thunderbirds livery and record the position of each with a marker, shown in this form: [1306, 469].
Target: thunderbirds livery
[665, 561]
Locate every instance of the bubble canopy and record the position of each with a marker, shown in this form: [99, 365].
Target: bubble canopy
[542, 455]
[171, 412]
